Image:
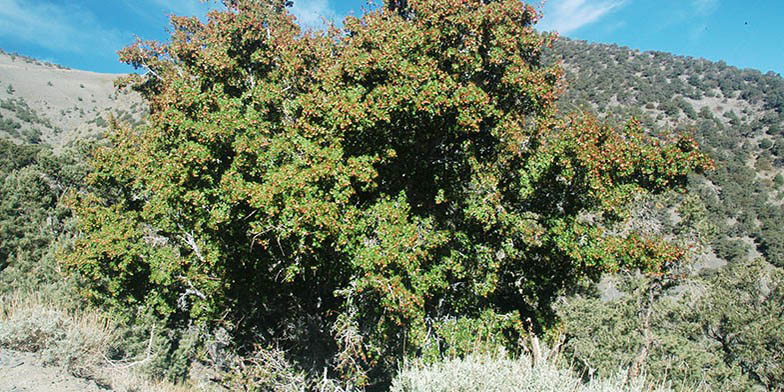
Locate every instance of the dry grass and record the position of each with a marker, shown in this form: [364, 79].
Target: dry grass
[80, 342]
[77, 341]
[502, 374]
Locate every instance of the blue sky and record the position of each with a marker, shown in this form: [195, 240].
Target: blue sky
[86, 34]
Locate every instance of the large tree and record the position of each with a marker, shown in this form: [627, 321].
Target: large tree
[398, 186]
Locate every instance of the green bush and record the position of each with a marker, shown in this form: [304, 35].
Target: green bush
[348, 196]
[32, 220]
[722, 333]
[10, 126]
[742, 314]
[778, 180]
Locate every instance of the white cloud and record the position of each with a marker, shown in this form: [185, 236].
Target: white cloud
[56, 26]
[565, 16]
[311, 13]
[697, 32]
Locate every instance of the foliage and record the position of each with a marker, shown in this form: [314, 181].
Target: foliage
[32, 179]
[31, 120]
[647, 331]
[349, 194]
[723, 334]
[265, 370]
[742, 206]
[743, 313]
[739, 214]
[9, 126]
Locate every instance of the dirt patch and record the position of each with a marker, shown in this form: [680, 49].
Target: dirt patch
[24, 372]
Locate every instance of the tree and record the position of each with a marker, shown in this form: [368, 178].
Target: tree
[742, 314]
[357, 195]
[32, 178]
[717, 333]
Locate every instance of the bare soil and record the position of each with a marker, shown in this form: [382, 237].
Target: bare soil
[24, 372]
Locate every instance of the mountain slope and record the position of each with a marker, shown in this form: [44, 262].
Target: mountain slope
[736, 115]
[45, 103]
[699, 326]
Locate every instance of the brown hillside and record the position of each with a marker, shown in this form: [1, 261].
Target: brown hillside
[46, 103]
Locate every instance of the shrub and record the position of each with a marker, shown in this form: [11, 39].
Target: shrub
[31, 329]
[31, 219]
[264, 370]
[500, 374]
[742, 314]
[778, 180]
[721, 333]
[346, 195]
[76, 342]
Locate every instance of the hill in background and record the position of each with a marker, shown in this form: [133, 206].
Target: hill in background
[46, 103]
[736, 115]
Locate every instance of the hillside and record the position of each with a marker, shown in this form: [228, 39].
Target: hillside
[736, 115]
[719, 315]
[46, 103]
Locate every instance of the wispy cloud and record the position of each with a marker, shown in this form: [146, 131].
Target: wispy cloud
[704, 7]
[566, 16]
[56, 26]
[697, 32]
[699, 18]
[311, 13]
[184, 7]
[157, 11]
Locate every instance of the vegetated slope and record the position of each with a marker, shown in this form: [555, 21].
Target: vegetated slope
[715, 324]
[736, 115]
[45, 103]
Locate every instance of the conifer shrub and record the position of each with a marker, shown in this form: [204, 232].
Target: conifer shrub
[353, 195]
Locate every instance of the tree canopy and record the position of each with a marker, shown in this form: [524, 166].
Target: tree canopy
[402, 185]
